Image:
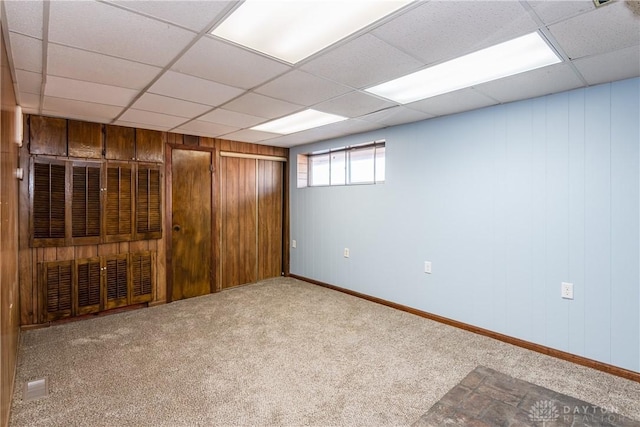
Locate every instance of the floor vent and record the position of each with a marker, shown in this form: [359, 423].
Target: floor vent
[35, 389]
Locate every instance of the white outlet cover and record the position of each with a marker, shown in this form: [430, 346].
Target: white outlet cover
[346, 252]
[566, 290]
[294, 244]
[427, 267]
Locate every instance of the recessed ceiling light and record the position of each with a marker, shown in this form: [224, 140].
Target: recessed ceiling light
[505, 59]
[294, 30]
[297, 122]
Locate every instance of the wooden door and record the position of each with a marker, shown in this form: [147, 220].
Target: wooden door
[239, 210]
[191, 237]
[270, 193]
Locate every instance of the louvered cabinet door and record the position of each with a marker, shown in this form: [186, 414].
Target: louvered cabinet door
[86, 207]
[88, 286]
[56, 281]
[142, 276]
[118, 213]
[117, 280]
[148, 202]
[48, 212]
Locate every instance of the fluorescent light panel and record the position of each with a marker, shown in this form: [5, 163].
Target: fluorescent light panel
[293, 30]
[505, 59]
[297, 122]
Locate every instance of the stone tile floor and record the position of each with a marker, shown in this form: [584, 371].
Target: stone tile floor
[488, 398]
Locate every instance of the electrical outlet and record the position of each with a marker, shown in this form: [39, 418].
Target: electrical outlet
[346, 252]
[294, 244]
[427, 267]
[566, 290]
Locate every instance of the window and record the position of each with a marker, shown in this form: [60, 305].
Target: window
[359, 164]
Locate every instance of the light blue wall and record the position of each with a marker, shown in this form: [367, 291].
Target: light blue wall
[507, 202]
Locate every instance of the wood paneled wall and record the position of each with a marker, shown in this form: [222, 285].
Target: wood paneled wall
[9, 295]
[270, 181]
[250, 209]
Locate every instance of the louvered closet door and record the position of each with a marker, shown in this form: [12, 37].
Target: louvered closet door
[86, 209]
[117, 279]
[142, 274]
[118, 213]
[49, 209]
[148, 203]
[57, 286]
[88, 286]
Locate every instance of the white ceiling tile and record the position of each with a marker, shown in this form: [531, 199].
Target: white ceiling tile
[30, 101]
[335, 130]
[98, 112]
[194, 15]
[598, 69]
[249, 135]
[103, 28]
[207, 129]
[452, 102]
[26, 52]
[215, 60]
[171, 106]
[29, 82]
[551, 11]
[194, 89]
[302, 88]
[85, 91]
[25, 17]
[164, 121]
[396, 116]
[261, 106]
[232, 118]
[605, 29]
[64, 61]
[362, 62]
[354, 104]
[543, 81]
[441, 30]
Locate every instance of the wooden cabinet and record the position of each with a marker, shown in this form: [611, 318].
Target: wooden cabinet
[53, 136]
[118, 213]
[123, 143]
[116, 289]
[56, 280]
[47, 190]
[48, 135]
[84, 139]
[149, 146]
[90, 285]
[148, 202]
[87, 286]
[84, 202]
[120, 143]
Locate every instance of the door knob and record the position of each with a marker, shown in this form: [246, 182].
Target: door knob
[176, 227]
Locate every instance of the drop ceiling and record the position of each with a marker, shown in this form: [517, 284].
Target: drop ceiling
[155, 65]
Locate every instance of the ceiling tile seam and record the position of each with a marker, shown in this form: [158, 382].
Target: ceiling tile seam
[145, 15]
[81, 100]
[543, 29]
[168, 66]
[564, 18]
[12, 67]
[45, 51]
[103, 54]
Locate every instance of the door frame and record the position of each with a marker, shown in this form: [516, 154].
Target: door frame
[213, 273]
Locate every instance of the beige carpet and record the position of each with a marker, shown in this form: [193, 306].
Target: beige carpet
[280, 352]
